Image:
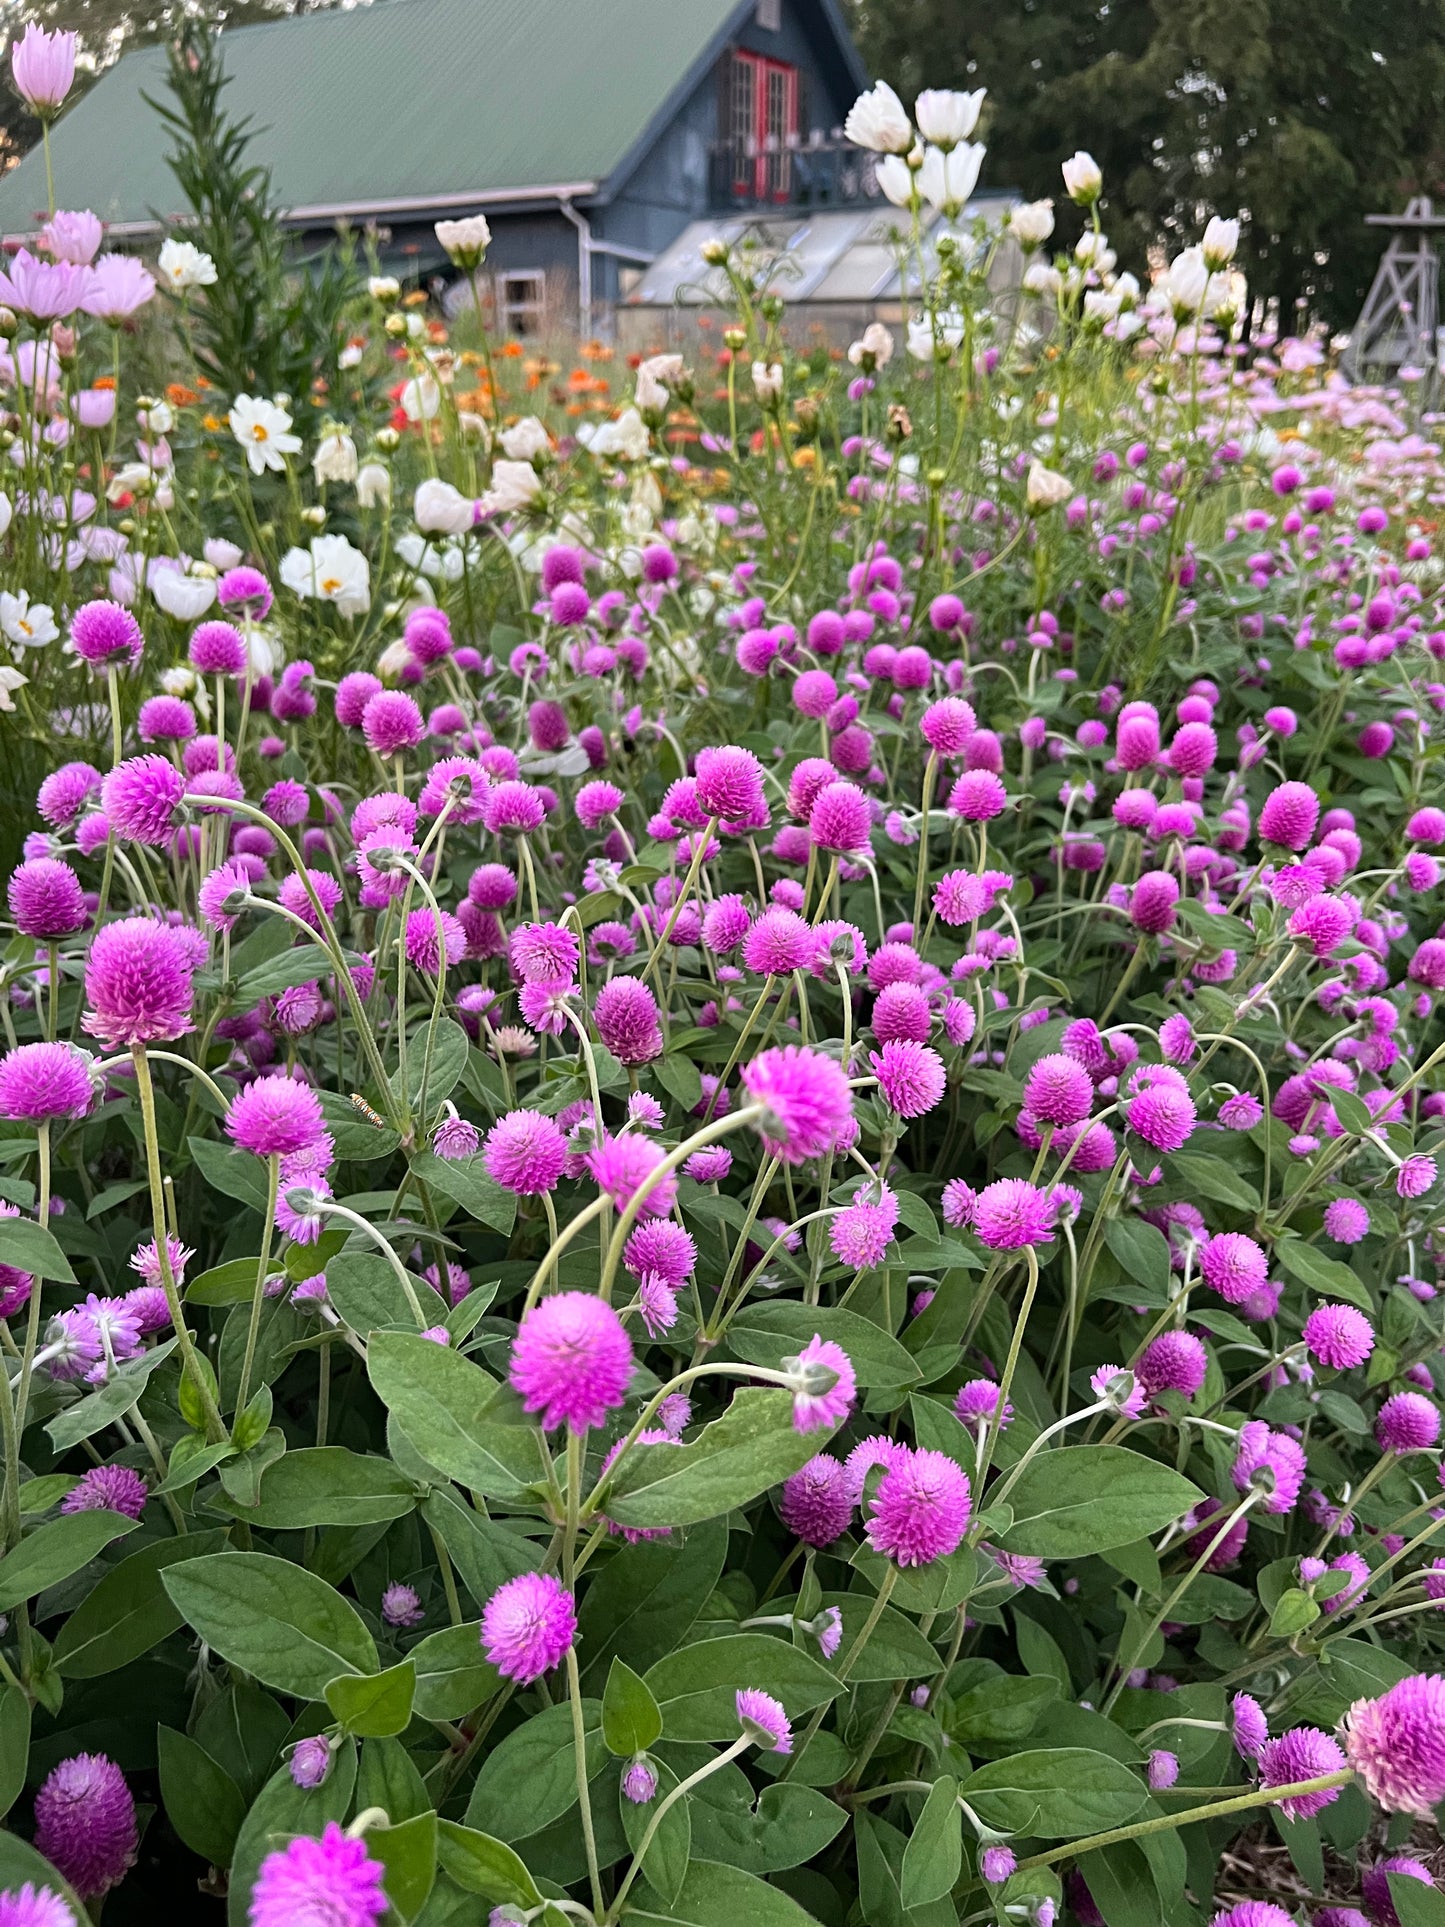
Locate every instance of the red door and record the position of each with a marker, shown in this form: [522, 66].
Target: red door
[764, 123]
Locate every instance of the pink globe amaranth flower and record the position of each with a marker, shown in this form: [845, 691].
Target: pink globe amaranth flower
[764, 1720]
[997, 1864]
[1289, 816]
[455, 1139]
[332, 1881]
[1058, 1090]
[392, 722]
[1256, 1913]
[571, 1361]
[779, 942]
[1346, 1220]
[960, 897]
[639, 1780]
[353, 692]
[806, 1101]
[1152, 902]
[65, 793]
[921, 1509]
[662, 1248]
[105, 633]
[528, 1625]
[543, 952]
[218, 649]
[525, 1152]
[841, 819]
[1248, 1727]
[1396, 1743]
[1012, 1213]
[978, 1401]
[911, 1077]
[817, 1502]
[1375, 1886]
[294, 897]
[1303, 1753]
[1120, 1390]
[41, 1082]
[513, 808]
[1339, 1336]
[947, 725]
[165, 719]
[1164, 1116]
[435, 941]
[138, 983]
[310, 1762]
[1321, 925]
[275, 1116]
[85, 1823]
[1407, 1423]
[863, 1230]
[1233, 1265]
[902, 1014]
[628, 1021]
[401, 1606]
[247, 589]
[1271, 1461]
[1415, 1176]
[622, 1165]
[108, 1488]
[1163, 1770]
[978, 796]
[46, 900]
[32, 1906]
[141, 798]
[825, 1385]
[730, 784]
[1175, 1361]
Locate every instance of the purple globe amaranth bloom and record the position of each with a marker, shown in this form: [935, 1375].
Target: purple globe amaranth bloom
[730, 784]
[1255, 1913]
[996, 1864]
[639, 1780]
[401, 1606]
[1058, 1090]
[806, 1100]
[275, 1116]
[1248, 1727]
[435, 941]
[1271, 1462]
[841, 819]
[1347, 1221]
[46, 900]
[1407, 1422]
[32, 1906]
[1163, 1770]
[911, 1077]
[138, 983]
[1375, 1886]
[85, 1823]
[1152, 902]
[141, 798]
[311, 1762]
[42, 1082]
[825, 1385]
[1415, 1176]
[525, 1152]
[332, 1881]
[455, 1139]
[628, 1020]
[1303, 1753]
[528, 1625]
[106, 634]
[1012, 1213]
[624, 1164]
[1339, 1336]
[1289, 815]
[1175, 1361]
[1396, 1743]
[764, 1720]
[1234, 1265]
[1164, 1116]
[1321, 925]
[921, 1509]
[108, 1488]
[817, 1502]
[571, 1361]
[978, 1400]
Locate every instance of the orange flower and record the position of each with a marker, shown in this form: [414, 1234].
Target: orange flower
[512, 350]
[103, 381]
[177, 394]
[212, 423]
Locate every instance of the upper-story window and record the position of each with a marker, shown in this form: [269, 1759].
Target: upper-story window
[762, 124]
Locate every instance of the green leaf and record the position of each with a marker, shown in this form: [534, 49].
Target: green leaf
[1416, 1904]
[1083, 1499]
[465, 1182]
[28, 1246]
[38, 1495]
[191, 1459]
[1294, 1610]
[20, 1862]
[441, 1402]
[449, 1047]
[1322, 1273]
[1353, 1113]
[714, 1895]
[54, 1551]
[752, 1447]
[696, 1688]
[281, 1810]
[790, 1823]
[233, 1173]
[243, 1729]
[1197, 1174]
[453, 1676]
[202, 1801]
[128, 1611]
[275, 1620]
[530, 1778]
[765, 1334]
[409, 1854]
[895, 1650]
[367, 1295]
[646, 1598]
[1142, 1251]
[485, 1866]
[327, 1486]
[376, 1706]
[1055, 1794]
[934, 1855]
[665, 1867]
[631, 1721]
[1004, 1709]
[389, 1778]
[485, 1553]
[14, 1745]
[115, 1398]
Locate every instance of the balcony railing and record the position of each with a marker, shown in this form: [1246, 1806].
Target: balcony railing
[813, 170]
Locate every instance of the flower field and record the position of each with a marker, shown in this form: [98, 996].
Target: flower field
[720, 1116]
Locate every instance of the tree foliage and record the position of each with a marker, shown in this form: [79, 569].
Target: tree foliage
[1304, 114]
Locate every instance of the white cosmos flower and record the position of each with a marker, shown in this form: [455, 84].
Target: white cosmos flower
[7, 512]
[383, 287]
[895, 179]
[515, 485]
[625, 439]
[767, 380]
[1083, 178]
[184, 266]
[10, 681]
[421, 399]
[1032, 223]
[876, 120]
[186, 597]
[417, 553]
[946, 180]
[656, 378]
[331, 570]
[1221, 238]
[934, 337]
[263, 429]
[352, 355]
[466, 241]
[946, 117]
[1186, 281]
[1046, 488]
[525, 440]
[876, 341]
[335, 458]
[220, 553]
[27, 625]
[440, 509]
[373, 485]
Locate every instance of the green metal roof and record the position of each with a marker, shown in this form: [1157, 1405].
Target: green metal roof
[420, 101]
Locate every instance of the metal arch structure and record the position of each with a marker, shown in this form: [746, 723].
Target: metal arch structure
[1398, 324]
